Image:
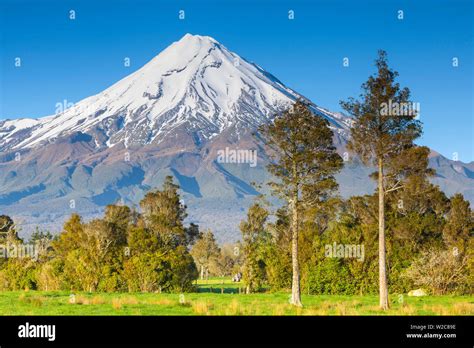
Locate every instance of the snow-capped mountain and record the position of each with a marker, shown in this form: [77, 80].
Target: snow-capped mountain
[196, 82]
[170, 117]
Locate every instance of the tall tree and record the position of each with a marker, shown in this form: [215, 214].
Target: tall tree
[304, 161]
[158, 243]
[385, 126]
[72, 236]
[119, 215]
[164, 213]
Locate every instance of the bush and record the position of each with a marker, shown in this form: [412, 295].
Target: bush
[171, 271]
[329, 277]
[49, 275]
[145, 272]
[19, 274]
[440, 272]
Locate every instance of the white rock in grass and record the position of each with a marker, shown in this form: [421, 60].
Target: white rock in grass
[417, 293]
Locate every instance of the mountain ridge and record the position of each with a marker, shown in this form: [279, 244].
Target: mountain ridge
[195, 79]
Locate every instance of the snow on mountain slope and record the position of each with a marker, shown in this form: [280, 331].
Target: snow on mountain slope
[8, 128]
[195, 80]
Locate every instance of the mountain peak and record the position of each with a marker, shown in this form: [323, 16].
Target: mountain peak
[190, 37]
[195, 83]
[190, 44]
[184, 50]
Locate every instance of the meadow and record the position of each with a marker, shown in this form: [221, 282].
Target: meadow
[219, 296]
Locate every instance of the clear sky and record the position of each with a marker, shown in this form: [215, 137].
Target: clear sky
[64, 59]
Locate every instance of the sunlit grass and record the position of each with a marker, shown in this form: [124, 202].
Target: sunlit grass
[221, 297]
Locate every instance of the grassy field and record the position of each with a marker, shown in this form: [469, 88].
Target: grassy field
[221, 297]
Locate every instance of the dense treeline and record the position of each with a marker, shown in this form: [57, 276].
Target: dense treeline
[151, 251]
[429, 245]
[123, 251]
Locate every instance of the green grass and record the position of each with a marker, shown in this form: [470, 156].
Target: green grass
[221, 297]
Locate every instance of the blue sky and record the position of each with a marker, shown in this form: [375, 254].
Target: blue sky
[65, 59]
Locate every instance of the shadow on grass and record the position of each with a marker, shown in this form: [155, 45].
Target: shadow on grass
[216, 289]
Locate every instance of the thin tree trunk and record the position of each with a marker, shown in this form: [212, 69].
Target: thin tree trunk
[295, 285]
[202, 272]
[382, 263]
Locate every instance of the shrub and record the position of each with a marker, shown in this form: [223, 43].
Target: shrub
[440, 272]
[48, 276]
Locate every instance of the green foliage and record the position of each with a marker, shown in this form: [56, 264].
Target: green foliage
[429, 245]
[277, 268]
[122, 251]
[163, 213]
[18, 274]
[459, 229]
[49, 275]
[40, 236]
[145, 272]
[205, 252]
[321, 278]
[414, 227]
[303, 155]
[254, 238]
[278, 252]
[376, 135]
[183, 271]
[322, 274]
[150, 272]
